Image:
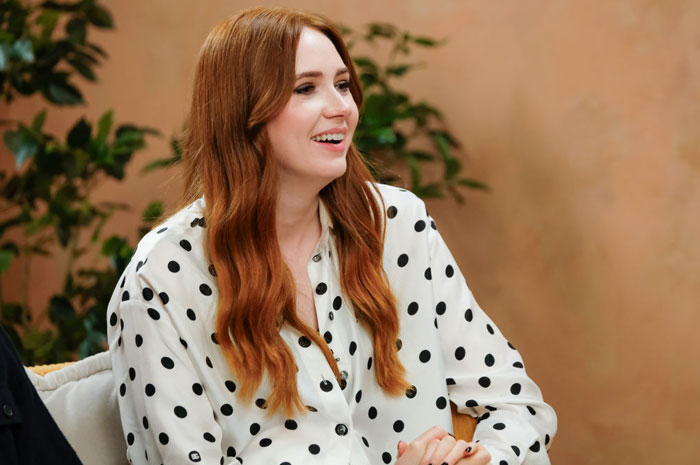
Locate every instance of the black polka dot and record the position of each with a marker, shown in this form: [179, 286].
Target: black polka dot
[398, 426]
[173, 266]
[197, 389]
[180, 411]
[191, 315]
[441, 402]
[164, 298]
[535, 447]
[352, 348]
[147, 293]
[391, 212]
[204, 289]
[290, 424]
[428, 274]
[419, 226]
[489, 360]
[122, 389]
[399, 344]
[261, 403]
[369, 363]
[163, 438]
[531, 410]
[231, 451]
[484, 381]
[121, 323]
[484, 417]
[185, 244]
[511, 345]
[503, 462]
[208, 362]
[516, 449]
[326, 386]
[230, 385]
[264, 442]
[337, 303]
[489, 328]
[314, 449]
[449, 271]
[304, 341]
[460, 353]
[358, 396]
[125, 296]
[311, 408]
[432, 225]
[183, 342]
[328, 337]
[424, 356]
[130, 439]
[372, 413]
[138, 340]
[161, 230]
[254, 429]
[412, 308]
[472, 403]
[139, 265]
[132, 374]
[226, 410]
[403, 260]
[440, 308]
[515, 389]
[386, 457]
[167, 362]
[209, 437]
[518, 365]
[113, 319]
[450, 381]
[321, 288]
[546, 439]
[411, 392]
[145, 422]
[499, 426]
[212, 270]
[468, 315]
[365, 442]
[150, 390]
[153, 313]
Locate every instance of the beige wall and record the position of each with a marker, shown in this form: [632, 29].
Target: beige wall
[583, 117]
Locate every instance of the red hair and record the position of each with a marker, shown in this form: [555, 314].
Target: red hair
[245, 76]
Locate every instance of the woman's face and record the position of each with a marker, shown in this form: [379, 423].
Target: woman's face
[321, 103]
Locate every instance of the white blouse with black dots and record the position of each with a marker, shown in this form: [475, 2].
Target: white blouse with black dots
[178, 400]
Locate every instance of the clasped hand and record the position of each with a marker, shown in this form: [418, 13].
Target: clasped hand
[437, 447]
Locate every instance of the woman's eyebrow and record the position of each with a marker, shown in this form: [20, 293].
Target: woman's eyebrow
[319, 73]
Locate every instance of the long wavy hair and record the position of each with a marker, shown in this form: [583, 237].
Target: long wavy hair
[245, 75]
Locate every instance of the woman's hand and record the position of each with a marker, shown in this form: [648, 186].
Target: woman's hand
[437, 447]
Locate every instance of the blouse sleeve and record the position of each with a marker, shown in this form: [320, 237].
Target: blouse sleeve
[485, 373]
[166, 415]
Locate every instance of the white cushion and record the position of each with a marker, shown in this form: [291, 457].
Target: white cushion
[83, 401]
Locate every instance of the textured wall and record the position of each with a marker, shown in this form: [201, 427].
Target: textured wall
[583, 117]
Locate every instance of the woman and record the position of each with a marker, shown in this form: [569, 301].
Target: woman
[291, 311]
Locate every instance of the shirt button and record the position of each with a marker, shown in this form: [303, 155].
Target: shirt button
[343, 374]
[341, 429]
[330, 315]
[7, 410]
[317, 257]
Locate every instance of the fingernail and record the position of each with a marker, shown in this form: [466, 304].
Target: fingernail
[444, 463]
[451, 434]
[468, 449]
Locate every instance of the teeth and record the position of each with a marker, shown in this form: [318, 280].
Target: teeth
[327, 137]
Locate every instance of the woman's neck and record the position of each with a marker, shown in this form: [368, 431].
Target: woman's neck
[298, 224]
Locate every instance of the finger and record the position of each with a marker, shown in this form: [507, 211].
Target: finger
[478, 456]
[470, 448]
[433, 433]
[429, 450]
[402, 448]
[452, 455]
[443, 449]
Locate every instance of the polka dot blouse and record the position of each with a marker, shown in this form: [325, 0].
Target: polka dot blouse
[178, 400]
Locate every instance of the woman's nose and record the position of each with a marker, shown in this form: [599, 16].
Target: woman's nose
[337, 104]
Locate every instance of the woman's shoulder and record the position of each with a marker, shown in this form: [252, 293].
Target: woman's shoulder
[176, 242]
[397, 197]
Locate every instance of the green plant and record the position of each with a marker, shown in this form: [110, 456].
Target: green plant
[48, 195]
[394, 128]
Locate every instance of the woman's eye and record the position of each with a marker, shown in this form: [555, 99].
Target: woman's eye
[344, 85]
[304, 89]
